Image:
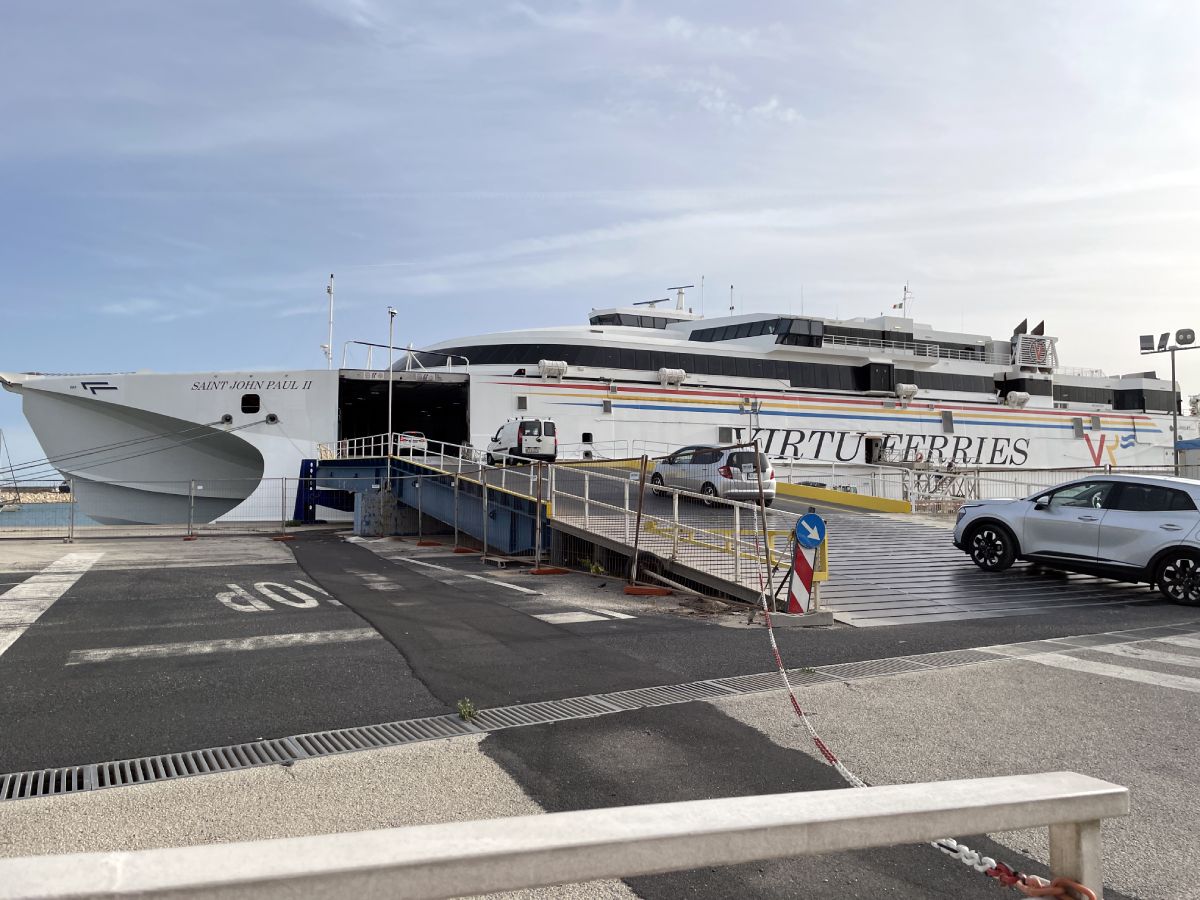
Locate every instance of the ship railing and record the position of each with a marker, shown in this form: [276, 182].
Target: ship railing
[457, 859]
[916, 348]
[889, 482]
[938, 486]
[406, 356]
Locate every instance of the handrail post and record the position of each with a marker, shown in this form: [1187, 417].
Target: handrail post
[586, 496]
[737, 538]
[627, 511]
[537, 520]
[485, 514]
[456, 481]
[191, 506]
[675, 525]
[71, 511]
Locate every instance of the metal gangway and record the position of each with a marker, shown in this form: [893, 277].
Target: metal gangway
[538, 509]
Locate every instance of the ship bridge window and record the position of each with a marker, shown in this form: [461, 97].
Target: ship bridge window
[630, 320]
[251, 403]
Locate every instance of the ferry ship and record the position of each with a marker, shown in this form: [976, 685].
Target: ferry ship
[863, 390]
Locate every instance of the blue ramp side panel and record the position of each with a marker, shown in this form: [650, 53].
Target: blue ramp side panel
[310, 494]
[512, 520]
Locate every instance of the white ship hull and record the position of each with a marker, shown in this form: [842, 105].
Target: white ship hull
[149, 448]
[806, 426]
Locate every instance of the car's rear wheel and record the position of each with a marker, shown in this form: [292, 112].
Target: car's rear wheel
[656, 484]
[491, 460]
[1178, 577]
[768, 501]
[709, 492]
[992, 547]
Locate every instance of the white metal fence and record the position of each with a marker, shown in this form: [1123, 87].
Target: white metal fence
[939, 486]
[75, 509]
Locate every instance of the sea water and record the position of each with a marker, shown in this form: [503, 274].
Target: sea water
[41, 515]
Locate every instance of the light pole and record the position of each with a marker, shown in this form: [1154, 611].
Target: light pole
[391, 322]
[1185, 339]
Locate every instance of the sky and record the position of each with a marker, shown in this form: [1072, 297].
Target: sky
[178, 180]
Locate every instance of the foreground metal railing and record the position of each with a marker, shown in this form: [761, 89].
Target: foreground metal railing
[732, 540]
[431, 862]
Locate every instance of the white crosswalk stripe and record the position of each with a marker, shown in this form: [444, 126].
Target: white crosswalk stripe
[1192, 643]
[575, 616]
[235, 645]
[22, 605]
[1147, 655]
[1125, 673]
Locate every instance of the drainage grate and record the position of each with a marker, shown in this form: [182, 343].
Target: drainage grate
[871, 668]
[44, 783]
[955, 658]
[389, 734]
[540, 713]
[770, 681]
[194, 762]
[665, 695]
[1029, 648]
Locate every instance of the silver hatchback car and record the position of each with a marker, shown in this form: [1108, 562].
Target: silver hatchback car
[1129, 527]
[726, 472]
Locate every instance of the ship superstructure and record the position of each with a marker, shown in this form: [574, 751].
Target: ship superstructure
[866, 390]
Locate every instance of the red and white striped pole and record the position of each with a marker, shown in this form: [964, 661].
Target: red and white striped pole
[799, 599]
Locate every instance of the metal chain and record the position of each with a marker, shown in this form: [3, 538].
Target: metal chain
[1029, 885]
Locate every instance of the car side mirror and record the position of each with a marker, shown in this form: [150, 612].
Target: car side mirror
[1041, 503]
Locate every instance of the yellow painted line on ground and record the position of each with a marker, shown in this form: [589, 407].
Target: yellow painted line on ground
[843, 498]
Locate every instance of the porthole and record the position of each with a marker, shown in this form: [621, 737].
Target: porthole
[251, 403]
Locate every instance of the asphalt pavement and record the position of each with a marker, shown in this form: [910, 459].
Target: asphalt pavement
[132, 648]
[143, 657]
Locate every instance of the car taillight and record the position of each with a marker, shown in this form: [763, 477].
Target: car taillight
[725, 472]
[772, 475]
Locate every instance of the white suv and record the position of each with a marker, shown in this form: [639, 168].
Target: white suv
[1128, 527]
[727, 472]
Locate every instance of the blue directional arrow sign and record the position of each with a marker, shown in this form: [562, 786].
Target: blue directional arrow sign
[810, 531]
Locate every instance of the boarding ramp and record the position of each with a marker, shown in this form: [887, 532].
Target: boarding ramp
[420, 495]
[601, 514]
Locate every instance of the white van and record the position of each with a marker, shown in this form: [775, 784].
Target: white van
[524, 438]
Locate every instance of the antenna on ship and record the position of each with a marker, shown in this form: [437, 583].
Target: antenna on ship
[731, 299]
[328, 348]
[903, 304]
[679, 289]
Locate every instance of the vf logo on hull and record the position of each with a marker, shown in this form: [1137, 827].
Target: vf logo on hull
[95, 386]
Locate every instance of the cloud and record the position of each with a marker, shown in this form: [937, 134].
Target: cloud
[157, 311]
[136, 307]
